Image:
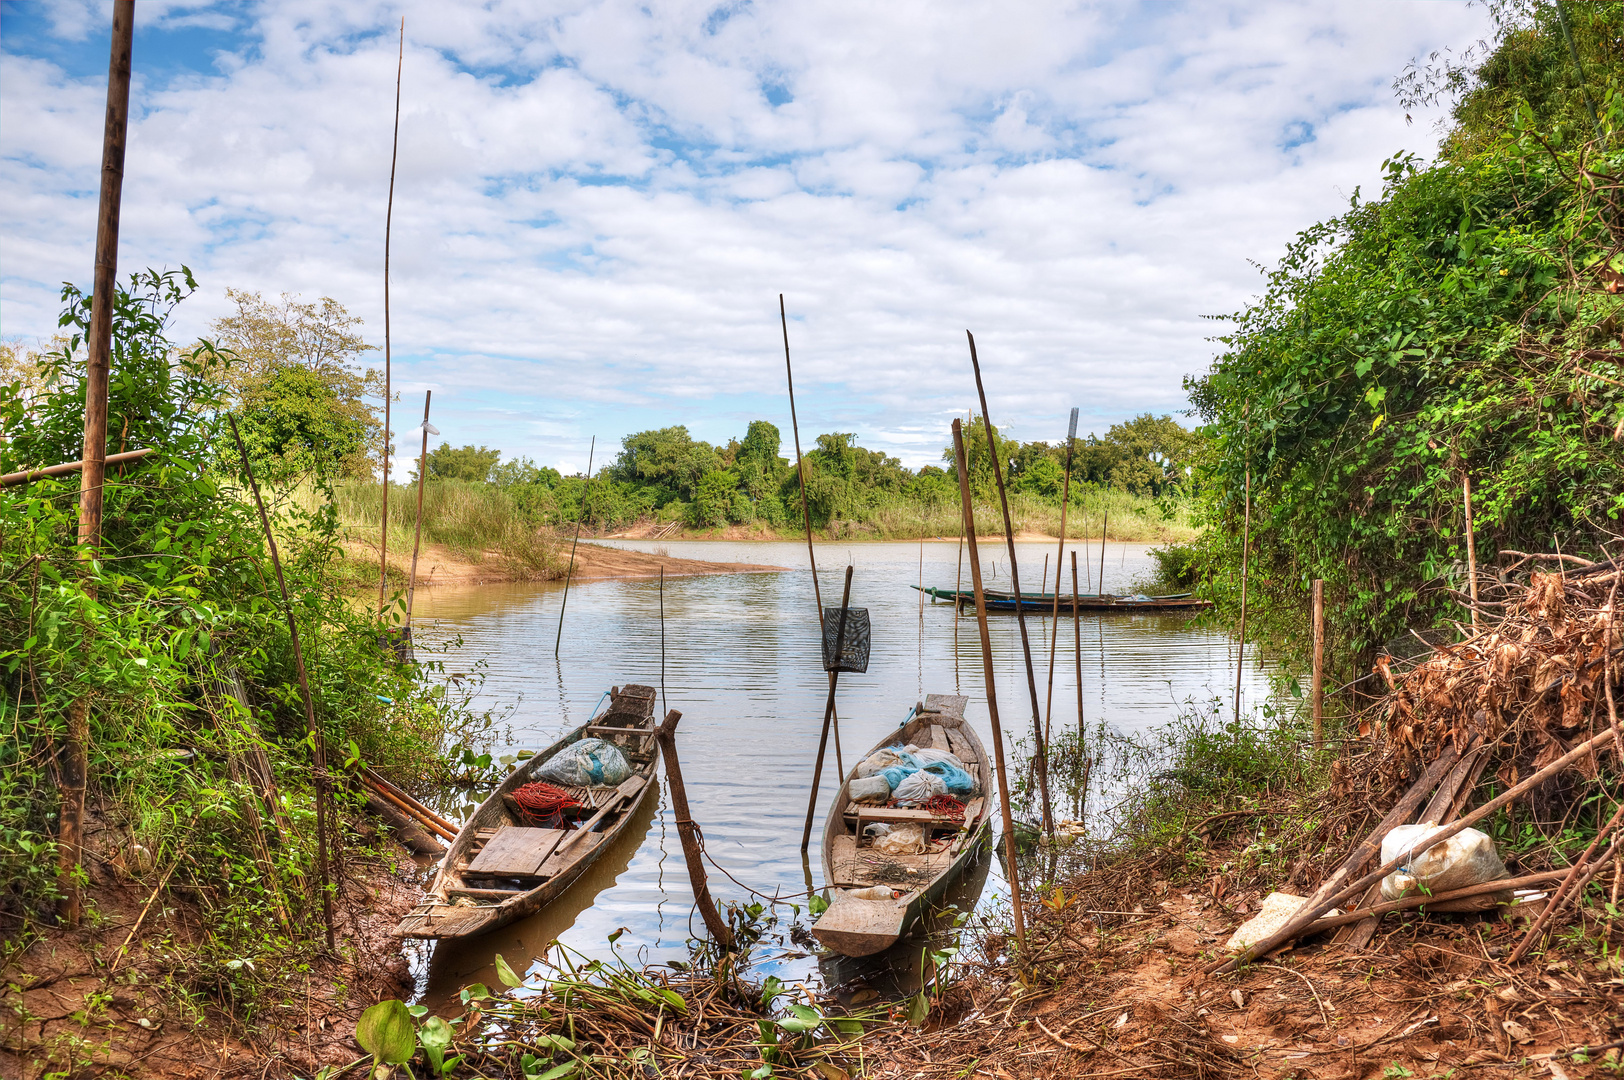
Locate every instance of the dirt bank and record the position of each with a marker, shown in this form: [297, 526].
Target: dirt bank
[439, 565]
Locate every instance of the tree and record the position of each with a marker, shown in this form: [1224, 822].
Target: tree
[668, 457]
[292, 421]
[476, 464]
[268, 338]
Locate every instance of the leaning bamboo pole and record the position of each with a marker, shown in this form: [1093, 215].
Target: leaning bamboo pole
[417, 532]
[1059, 569]
[569, 574]
[990, 681]
[388, 390]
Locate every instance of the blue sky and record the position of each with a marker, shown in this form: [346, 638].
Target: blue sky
[599, 201]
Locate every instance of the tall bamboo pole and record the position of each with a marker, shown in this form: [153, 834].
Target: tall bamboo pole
[417, 535]
[1246, 545]
[318, 744]
[75, 759]
[1041, 755]
[1318, 691]
[828, 711]
[806, 517]
[1010, 852]
[1105, 528]
[388, 391]
[1471, 547]
[570, 572]
[1077, 646]
[1059, 569]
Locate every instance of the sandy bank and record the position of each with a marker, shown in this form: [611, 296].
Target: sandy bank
[439, 565]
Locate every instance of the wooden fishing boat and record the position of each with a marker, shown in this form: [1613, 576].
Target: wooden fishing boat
[863, 927]
[1044, 601]
[500, 868]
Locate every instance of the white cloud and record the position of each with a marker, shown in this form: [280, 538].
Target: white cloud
[597, 203]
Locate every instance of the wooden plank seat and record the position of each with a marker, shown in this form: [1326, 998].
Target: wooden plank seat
[612, 729]
[516, 851]
[898, 815]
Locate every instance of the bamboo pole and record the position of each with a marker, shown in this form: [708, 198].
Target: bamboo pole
[1059, 569]
[569, 573]
[1041, 754]
[388, 229]
[74, 765]
[1010, 852]
[688, 833]
[1471, 547]
[1246, 545]
[1105, 527]
[1318, 692]
[828, 712]
[1082, 734]
[318, 744]
[29, 475]
[417, 536]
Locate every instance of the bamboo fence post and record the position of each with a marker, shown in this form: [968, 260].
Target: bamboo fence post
[75, 760]
[828, 711]
[1318, 692]
[1010, 851]
[1471, 551]
[417, 537]
[1041, 755]
[1059, 569]
[569, 573]
[688, 833]
[388, 228]
[806, 517]
[318, 743]
[1246, 544]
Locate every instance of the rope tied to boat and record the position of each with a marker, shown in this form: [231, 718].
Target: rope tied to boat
[544, 801]
[944, 806]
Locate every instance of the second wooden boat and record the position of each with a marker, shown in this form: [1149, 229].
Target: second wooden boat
[501, 867]
[862, 927]
[1042, 602]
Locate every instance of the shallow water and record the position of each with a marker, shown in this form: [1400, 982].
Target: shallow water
[742, 663]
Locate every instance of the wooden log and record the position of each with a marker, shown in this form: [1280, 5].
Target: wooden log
[1321, 903]
[1486, 888]
[407, 830]
[688, 833]
[961, 464]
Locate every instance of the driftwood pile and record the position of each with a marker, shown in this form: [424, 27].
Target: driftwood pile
[1532, 698]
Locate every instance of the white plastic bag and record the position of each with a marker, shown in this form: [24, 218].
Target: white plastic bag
[926, 756]
[871, 790]
[879, 759]
[585, 763]
[901, 840]
[1467, 858]
[917, 787]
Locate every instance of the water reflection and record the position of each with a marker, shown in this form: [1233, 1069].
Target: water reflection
[742, 664]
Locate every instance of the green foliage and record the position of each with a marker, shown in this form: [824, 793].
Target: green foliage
[386, 1032]
[1459, 326]
[294, 422]
[477, 464]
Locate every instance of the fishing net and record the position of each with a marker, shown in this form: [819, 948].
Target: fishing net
[545, 804]
[944, 806]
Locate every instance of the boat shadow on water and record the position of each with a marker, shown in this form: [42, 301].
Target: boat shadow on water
[459, 962]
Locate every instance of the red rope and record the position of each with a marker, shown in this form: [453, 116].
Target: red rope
[944, 806]
[544, 800]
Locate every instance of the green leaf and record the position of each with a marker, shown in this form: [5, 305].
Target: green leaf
[816, 904]
[558, 1071]
[918, 1009]
[385, 1032]
[506, 972]
[436, 1033]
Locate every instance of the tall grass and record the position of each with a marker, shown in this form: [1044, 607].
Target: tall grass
[477, 522]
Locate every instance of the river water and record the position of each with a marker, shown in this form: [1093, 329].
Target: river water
[741, 661]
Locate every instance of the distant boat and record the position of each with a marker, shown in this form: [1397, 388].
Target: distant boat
[863, 927]
[1044, 601]
[499, 869]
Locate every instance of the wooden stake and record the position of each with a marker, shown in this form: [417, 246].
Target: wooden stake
[828, 710]
[569, 573]
[318, 743]
[1059, 559]
[388, 228]
[688, 833]
[1318, 692]
[806, 517]
[75, 760]
[417, 537]
[1010, 852]
[1041, 748]
[1246, 545]
[1471, 554]
[1105, 528]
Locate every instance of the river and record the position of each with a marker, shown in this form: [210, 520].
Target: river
[740, 659]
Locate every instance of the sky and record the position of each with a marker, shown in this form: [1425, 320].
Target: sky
[598, 202]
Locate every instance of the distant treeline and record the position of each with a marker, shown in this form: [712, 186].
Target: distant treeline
[669, 475]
